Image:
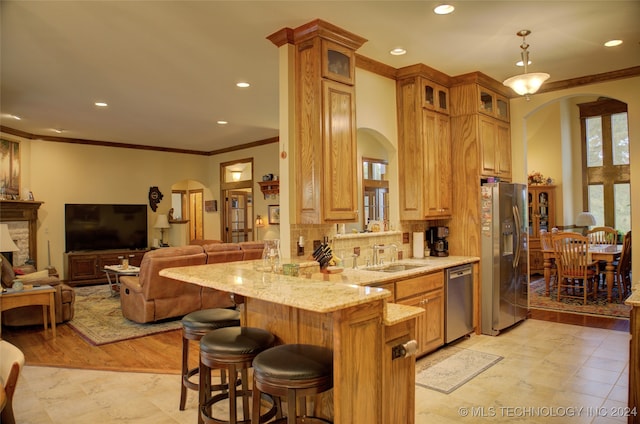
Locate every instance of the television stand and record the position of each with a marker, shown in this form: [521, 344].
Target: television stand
[86, 267]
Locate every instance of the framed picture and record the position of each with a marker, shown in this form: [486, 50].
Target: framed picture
[274, 214]
[9, 169]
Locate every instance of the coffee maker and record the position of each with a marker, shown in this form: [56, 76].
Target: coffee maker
[437, 241]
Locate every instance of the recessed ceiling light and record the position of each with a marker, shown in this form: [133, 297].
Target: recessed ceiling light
[243, 84]
[101, 104]
[444, 9]
[16, 117]
[613, 43]
[398, 51]
[222, 122]
[57, 130]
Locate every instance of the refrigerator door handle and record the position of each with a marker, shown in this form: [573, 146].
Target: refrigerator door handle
[516, 218]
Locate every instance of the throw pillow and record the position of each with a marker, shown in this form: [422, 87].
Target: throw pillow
[39, 275]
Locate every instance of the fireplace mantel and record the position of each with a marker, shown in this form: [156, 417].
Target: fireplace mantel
[23, 210]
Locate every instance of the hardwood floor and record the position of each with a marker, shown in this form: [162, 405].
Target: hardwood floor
[162, 353]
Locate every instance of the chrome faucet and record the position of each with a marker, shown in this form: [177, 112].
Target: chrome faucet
[381, 248]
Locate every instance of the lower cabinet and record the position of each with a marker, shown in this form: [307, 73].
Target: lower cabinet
[87, 267]
[426, 292]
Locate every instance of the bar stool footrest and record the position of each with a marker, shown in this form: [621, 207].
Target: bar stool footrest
[239, 394]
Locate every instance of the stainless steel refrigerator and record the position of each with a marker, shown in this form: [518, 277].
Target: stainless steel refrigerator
[504, 256]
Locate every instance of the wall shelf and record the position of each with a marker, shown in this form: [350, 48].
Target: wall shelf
[269, 187]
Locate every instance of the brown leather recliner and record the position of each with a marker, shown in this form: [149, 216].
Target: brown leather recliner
[251, 249]
[150, 297]
[64, 298]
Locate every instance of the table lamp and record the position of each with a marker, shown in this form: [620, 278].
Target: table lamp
[162, 222]
[585, 220]
[7, 244]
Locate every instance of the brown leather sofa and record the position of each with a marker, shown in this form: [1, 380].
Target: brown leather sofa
[64, 298]
[150, 297]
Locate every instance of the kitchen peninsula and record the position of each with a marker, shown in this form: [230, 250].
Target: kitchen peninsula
[340, 311]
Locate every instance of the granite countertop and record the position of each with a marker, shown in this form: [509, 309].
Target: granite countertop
[312, 295]
[634, 299]
[314, 290]
[369, 276]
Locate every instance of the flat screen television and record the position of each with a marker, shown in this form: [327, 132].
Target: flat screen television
[104, 227]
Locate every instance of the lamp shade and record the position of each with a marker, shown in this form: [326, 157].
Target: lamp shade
[6, 242]
[526, 83]
[162, 222]
[585, 219]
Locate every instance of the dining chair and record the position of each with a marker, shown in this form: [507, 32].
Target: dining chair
[623, 270]
[547, 244]
[576, 271]
[602, 235]
[11, 362]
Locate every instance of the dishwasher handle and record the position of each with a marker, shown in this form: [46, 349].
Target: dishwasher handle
[452, 274]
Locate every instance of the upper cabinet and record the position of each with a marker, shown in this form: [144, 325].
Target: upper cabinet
[424, 144]
[493, 104]
[435, 96]
[325, 134]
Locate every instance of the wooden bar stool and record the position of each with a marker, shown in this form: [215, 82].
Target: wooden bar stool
[194, 326]
[232, 349]
[291, 371]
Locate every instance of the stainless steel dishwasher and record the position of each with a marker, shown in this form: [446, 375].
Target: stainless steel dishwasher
[458, 292]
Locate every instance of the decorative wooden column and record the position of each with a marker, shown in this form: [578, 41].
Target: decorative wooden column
[21, 210]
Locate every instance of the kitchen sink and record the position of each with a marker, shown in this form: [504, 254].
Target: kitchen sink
[394, 268]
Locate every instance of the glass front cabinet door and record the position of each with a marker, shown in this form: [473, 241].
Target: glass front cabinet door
[541, 218]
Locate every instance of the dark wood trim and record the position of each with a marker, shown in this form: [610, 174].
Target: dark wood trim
[423, 70]
[590, 79]
[55, 139]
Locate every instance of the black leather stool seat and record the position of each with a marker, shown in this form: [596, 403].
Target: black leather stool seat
[206, 320]
[233, 349]
[236, 341]
[293, 370]
[194, 326]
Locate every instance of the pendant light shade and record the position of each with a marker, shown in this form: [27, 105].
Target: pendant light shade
[527, 83]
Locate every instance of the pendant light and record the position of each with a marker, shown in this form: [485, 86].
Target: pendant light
[527, 83]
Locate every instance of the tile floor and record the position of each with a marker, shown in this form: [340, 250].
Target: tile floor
[551, 373]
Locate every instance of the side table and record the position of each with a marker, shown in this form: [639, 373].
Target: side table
[37, 295]
[116, 271]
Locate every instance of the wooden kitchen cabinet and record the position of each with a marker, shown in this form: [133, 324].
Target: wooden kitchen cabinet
[326, 157]
[481, 145]
[424, 148]
[87, 267]
[495, 142]
[542, 213]
[426, 292]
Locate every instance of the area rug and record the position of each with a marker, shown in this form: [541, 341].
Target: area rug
[98, 318]
[596, 307]
[451, 367]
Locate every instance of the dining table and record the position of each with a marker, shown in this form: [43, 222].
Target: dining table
[608, 253]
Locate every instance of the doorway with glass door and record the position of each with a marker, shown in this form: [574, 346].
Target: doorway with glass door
[237, 192]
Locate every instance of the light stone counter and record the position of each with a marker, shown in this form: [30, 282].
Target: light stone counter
[369, 276]
[634, 299]
[311, 295]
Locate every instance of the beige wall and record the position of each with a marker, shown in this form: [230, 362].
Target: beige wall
[557, 109]
[59, 173]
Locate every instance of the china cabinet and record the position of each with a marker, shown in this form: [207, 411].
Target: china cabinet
[542, 208]
[424, 144]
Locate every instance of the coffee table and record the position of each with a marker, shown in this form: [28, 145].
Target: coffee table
[116, 271]
[37, 295]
